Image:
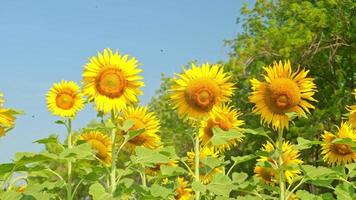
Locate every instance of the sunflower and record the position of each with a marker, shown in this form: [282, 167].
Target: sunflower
[7, 117]
[339, 153]
[156, 169]
[290, 159]
[352, 114]
[64, 99]
[111, 80]
[142, 120]
[183, 192]
[206, 174]
[224, 117]
[282, 92]
[99, 142]
[199, 89]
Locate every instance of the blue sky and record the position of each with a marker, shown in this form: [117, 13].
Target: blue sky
[46, 41]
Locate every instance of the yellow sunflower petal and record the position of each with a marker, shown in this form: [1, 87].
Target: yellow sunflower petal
[197, 90]
[339, 153]
[64, 99]
[111, 80]
[183, 192]
[282, 92]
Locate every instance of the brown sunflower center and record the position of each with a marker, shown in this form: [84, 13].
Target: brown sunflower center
[342, 149]
[267, 174]
[282, 94]
[201, 94]
[111, 82]
[99, 147]
[65, 101]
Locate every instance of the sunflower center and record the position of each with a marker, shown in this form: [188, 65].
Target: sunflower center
[111, 82]
[282, 94]
[100, 147]
[223, 124]
[267, 175]
[342, 149]
[65, 101]
[201, 94]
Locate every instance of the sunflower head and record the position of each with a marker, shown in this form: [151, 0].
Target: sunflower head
[339, 153]
[197, 90]
[142, 119]
[183, 192]
[64, 99]
[282, 92]
[156, 169]
[266, 174]
[7, 117]
[224, 117]
[206, 174]
[100, 142]
[290, 160]
[352, 115]
[112, 81]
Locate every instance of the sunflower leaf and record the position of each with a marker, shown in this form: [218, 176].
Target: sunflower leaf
[127, 124]
[221, 137]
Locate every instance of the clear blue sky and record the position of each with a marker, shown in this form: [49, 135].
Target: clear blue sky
[42, 42]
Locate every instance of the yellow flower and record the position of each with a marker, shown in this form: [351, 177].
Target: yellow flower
[199, 89]
[99, 142]
[183, 192]
[282, 92]
[339, 153]
[352, 114]
[142, 120]
[206, 174]
[156, 170]
[64, 99]
[224, 117]
[290, 159]
[111, 80]
[266, 174]
[7, 117]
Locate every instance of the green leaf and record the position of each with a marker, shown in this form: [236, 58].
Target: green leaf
[60, 122]
[199, 187]
[305, 144]
[97, 191]
[241, 159]
[345, 192]
[10, 195]
[259, 131]
[211, 162]
[6, 168]
[221, 185]
[302, 194]
[127, 124]
[133, 134]
[82, 151]
[49, 140]
[171, 170]
[239, 178]
[223, 137]
[317, 172]
[159, 191]
[145, 155]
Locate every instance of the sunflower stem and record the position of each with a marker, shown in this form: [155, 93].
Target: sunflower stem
[69, 142]
[113, 160]
[282, 185]
[197, 161]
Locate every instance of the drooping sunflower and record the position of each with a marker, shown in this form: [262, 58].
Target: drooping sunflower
[290, 160]
[143, 119]
[224, 117]
[156, 169]
[183, 192]
[112, 81]
[7, 117]
[352, 115]
[339, 153]
[206, 174]
[283, 92]
[197, 90]
[99, 142]
[64, 99]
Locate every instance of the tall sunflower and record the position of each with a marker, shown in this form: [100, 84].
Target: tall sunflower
[290, 159]
[64, 99]
[111, 80]
[352, 115]
[206, 174]
[7, 117]
[143, 119]
[224, 117]
[99, 142]
[283, 92]
[183, 192]
[339, 153]
[197, 90]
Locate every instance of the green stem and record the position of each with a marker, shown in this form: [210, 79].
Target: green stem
[144, 181]
[282, 185]
[197, 161]
[113, 160]
[69, 141]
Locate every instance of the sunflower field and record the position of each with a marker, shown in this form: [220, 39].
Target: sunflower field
[275, 121]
